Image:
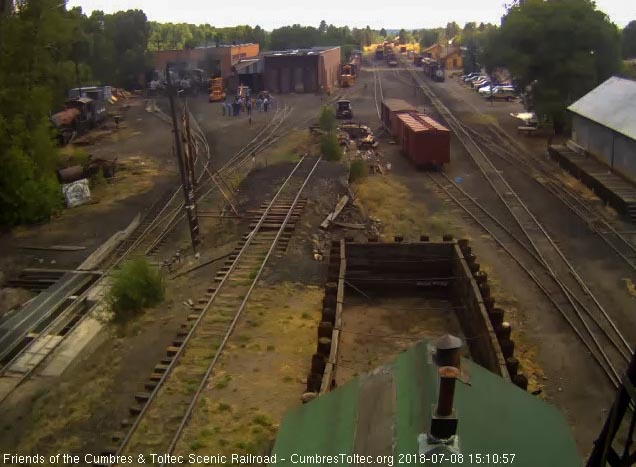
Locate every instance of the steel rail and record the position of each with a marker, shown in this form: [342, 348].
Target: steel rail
[179, 353]
[490, 171]
[588, 214]
[610, 372]
[217, 355]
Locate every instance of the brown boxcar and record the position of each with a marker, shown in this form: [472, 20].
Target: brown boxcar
[390, 109]
[424, 141]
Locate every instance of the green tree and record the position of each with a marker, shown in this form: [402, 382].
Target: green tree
[429, 37]
[323, 27]
[452, 29]
[135, 286]
[329, 146]
[383, 32]
[629, 40]
[560, 49]
[36, 40]
[327, 118]
[405, 37]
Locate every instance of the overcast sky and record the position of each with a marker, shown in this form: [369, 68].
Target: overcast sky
[390, 14]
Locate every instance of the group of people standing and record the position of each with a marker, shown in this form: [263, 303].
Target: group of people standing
[233, 106]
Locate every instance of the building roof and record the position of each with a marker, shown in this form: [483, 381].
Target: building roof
[431, 47]
[420, 122]
[245, 63]
[309, 51]
[384, 412]
[611, 104]
[395, 105]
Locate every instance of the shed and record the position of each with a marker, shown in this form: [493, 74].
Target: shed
[388, 413]
[604, 124]
[390, 109]
[302, 70]
[424, 141]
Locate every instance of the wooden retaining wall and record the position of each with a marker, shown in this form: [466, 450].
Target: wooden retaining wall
[446, 269]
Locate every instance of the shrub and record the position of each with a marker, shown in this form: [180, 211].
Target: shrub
[135, 286]
[327, 118]
[358, 170]
[329, 147]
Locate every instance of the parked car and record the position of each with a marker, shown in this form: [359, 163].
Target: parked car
[489, 89]
[501, 94]
[478, 81]
[482, 84]
[343, 109]
[466, 78]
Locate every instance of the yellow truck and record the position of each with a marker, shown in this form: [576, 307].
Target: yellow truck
[217, 93]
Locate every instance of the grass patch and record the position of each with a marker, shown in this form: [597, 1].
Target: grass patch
[223, 407]
[262, 420]
[288, 149]
[196, 445]
[223, 382]
[389, 201]
[254, 273]
[305, 316]
[135, 286]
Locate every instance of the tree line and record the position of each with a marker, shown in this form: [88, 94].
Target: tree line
[558, 50]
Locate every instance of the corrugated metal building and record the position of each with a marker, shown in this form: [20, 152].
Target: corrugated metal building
[604, 124]
[215, 61]
[303, 70]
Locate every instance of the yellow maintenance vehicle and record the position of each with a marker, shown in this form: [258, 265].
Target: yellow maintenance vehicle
[347, 77]
[216, 90]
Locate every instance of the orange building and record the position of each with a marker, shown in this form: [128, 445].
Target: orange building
[449, 56]
[214, 61]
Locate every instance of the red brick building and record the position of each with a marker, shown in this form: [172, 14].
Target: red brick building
[303, 70]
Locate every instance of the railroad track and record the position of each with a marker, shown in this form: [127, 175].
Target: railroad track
[175, 386]
[502, 145]
[563, 285]
[166, 214]
[378, 93]
[160, 220]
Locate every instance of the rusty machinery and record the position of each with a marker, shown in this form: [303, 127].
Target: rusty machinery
[217, 91]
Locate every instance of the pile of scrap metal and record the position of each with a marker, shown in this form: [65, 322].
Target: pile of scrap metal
[92, 167]
[79, 115]
[75, 179]
[356, 132]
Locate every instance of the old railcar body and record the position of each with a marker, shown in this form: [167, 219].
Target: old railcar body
[390, 109]
[425, 142]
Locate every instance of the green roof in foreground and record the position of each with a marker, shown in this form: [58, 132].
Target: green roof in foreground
[382, 414]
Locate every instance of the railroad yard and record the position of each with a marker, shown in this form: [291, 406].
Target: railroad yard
[281, 277]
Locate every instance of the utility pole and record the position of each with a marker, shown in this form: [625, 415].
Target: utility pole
[186, 185]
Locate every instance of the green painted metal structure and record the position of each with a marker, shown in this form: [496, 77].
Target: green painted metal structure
[495, 418]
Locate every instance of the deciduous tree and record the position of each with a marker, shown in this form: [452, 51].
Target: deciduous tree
[560, 49]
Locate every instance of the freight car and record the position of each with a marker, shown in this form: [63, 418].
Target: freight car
[390, 109]
[433, 70]
[425, 142]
